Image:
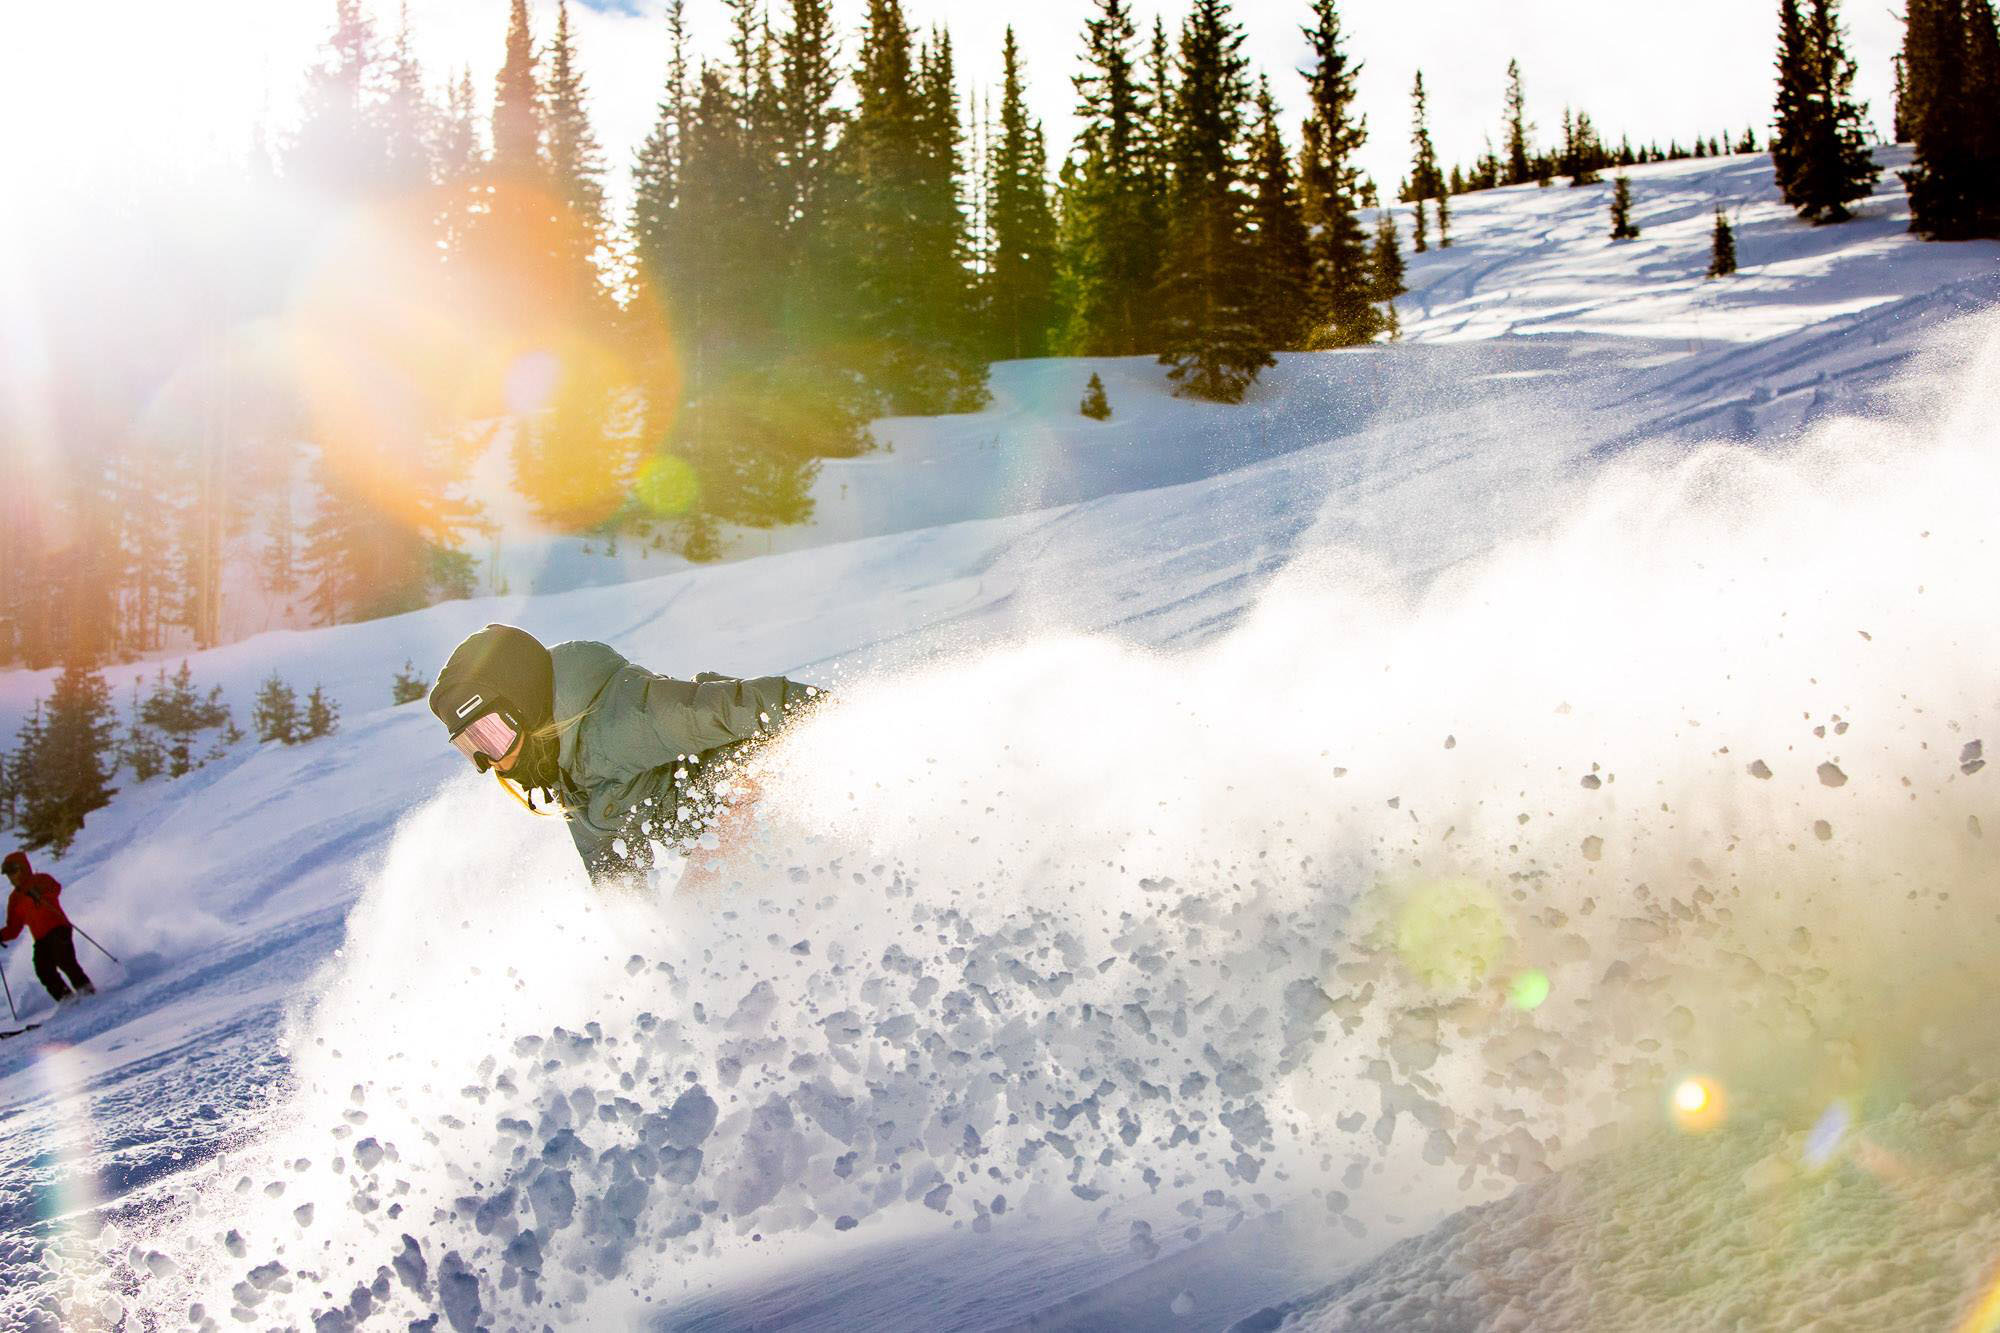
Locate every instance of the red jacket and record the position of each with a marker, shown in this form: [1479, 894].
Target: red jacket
[36, 904]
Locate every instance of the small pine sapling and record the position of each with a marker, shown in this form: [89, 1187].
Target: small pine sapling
[322, 715]
[1722, 253]
[1622, 228]
[409, 684]
[1096, 405]
[275, 713]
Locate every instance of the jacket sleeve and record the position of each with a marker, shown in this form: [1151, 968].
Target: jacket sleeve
[14, 918]
[690, 717]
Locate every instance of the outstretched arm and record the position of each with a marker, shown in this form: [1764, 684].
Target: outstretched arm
[690, 717]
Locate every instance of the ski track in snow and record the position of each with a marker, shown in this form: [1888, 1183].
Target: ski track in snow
[1136, 942]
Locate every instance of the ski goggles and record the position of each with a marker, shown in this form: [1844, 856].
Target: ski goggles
[486, 740]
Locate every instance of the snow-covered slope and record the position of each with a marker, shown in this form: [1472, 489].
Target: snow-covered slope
[1133, 944]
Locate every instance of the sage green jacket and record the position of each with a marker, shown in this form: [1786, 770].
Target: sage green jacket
[626, 734]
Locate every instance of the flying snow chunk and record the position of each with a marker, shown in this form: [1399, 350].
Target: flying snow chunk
[1831, 776]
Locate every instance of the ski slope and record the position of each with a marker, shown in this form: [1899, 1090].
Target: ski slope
[1133, 945]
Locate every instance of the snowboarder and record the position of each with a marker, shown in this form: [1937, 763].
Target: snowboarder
[629, 757]
[36, 903]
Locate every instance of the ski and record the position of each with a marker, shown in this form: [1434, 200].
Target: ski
[29, 1027]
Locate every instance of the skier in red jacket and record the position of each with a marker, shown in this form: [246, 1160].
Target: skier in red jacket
[36, 904]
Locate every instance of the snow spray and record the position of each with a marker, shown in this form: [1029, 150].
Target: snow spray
[1671, 814]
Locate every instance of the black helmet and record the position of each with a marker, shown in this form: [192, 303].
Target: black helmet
[499, 669]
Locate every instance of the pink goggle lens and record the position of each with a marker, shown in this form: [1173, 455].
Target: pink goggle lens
[489, 737]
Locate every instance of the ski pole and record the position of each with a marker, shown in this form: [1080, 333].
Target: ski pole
[100, 948]
[10, 995]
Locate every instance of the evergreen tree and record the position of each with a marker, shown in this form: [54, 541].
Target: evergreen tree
[575, 161]
[322, 715]
[1820, 150]
[1330, 178]
[656, 172]
[1622, 228]
[1110, 245]
[905, 229]
[175, 711]
[384, 515]
[1582, 153]
[1096, 404]
[342, 145]
[809, 120]
[1518, 168]
[517, 114]
[1212, 332]
[1020, 284]
[1283, 251]
[409, 684]
[18, 771]
[1426, 181]
[68, 772]
[1385, 259]
[460, 160]
[1722, 249]
[141, 751]
[409, 121]
[1951, 58]
[275, 714]
[947, 363]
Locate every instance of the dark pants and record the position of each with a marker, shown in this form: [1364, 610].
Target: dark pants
[55, 955]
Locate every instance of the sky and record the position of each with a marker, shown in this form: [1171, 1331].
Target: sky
[134, 78]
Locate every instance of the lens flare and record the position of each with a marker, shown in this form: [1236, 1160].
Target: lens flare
[1529, 990]
[1697, 1104]
[1827, 1134]
[667, 486]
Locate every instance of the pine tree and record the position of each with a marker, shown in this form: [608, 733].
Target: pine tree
[1212, 332]
[947, 364]
[1622, 228]
[383, 513]
[141, 751]
[322, 715]
[1020, 285]
[1283, 251]
[809, 119]
[1096, 404]
[1426, 181]
[1385, 259]
[68, 772]
[1110, 248]
[409, 684]
[1820, 150]
[1951, 57]
[517, 115]
[575, 161]
[275, 714]
[175, 711]
[656, 173]
[19, 769]
[1518, 168]
[905, 230]
[409, 121]
[342, 146]
[460, 159]
[1722, 249]
[1330, 178]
